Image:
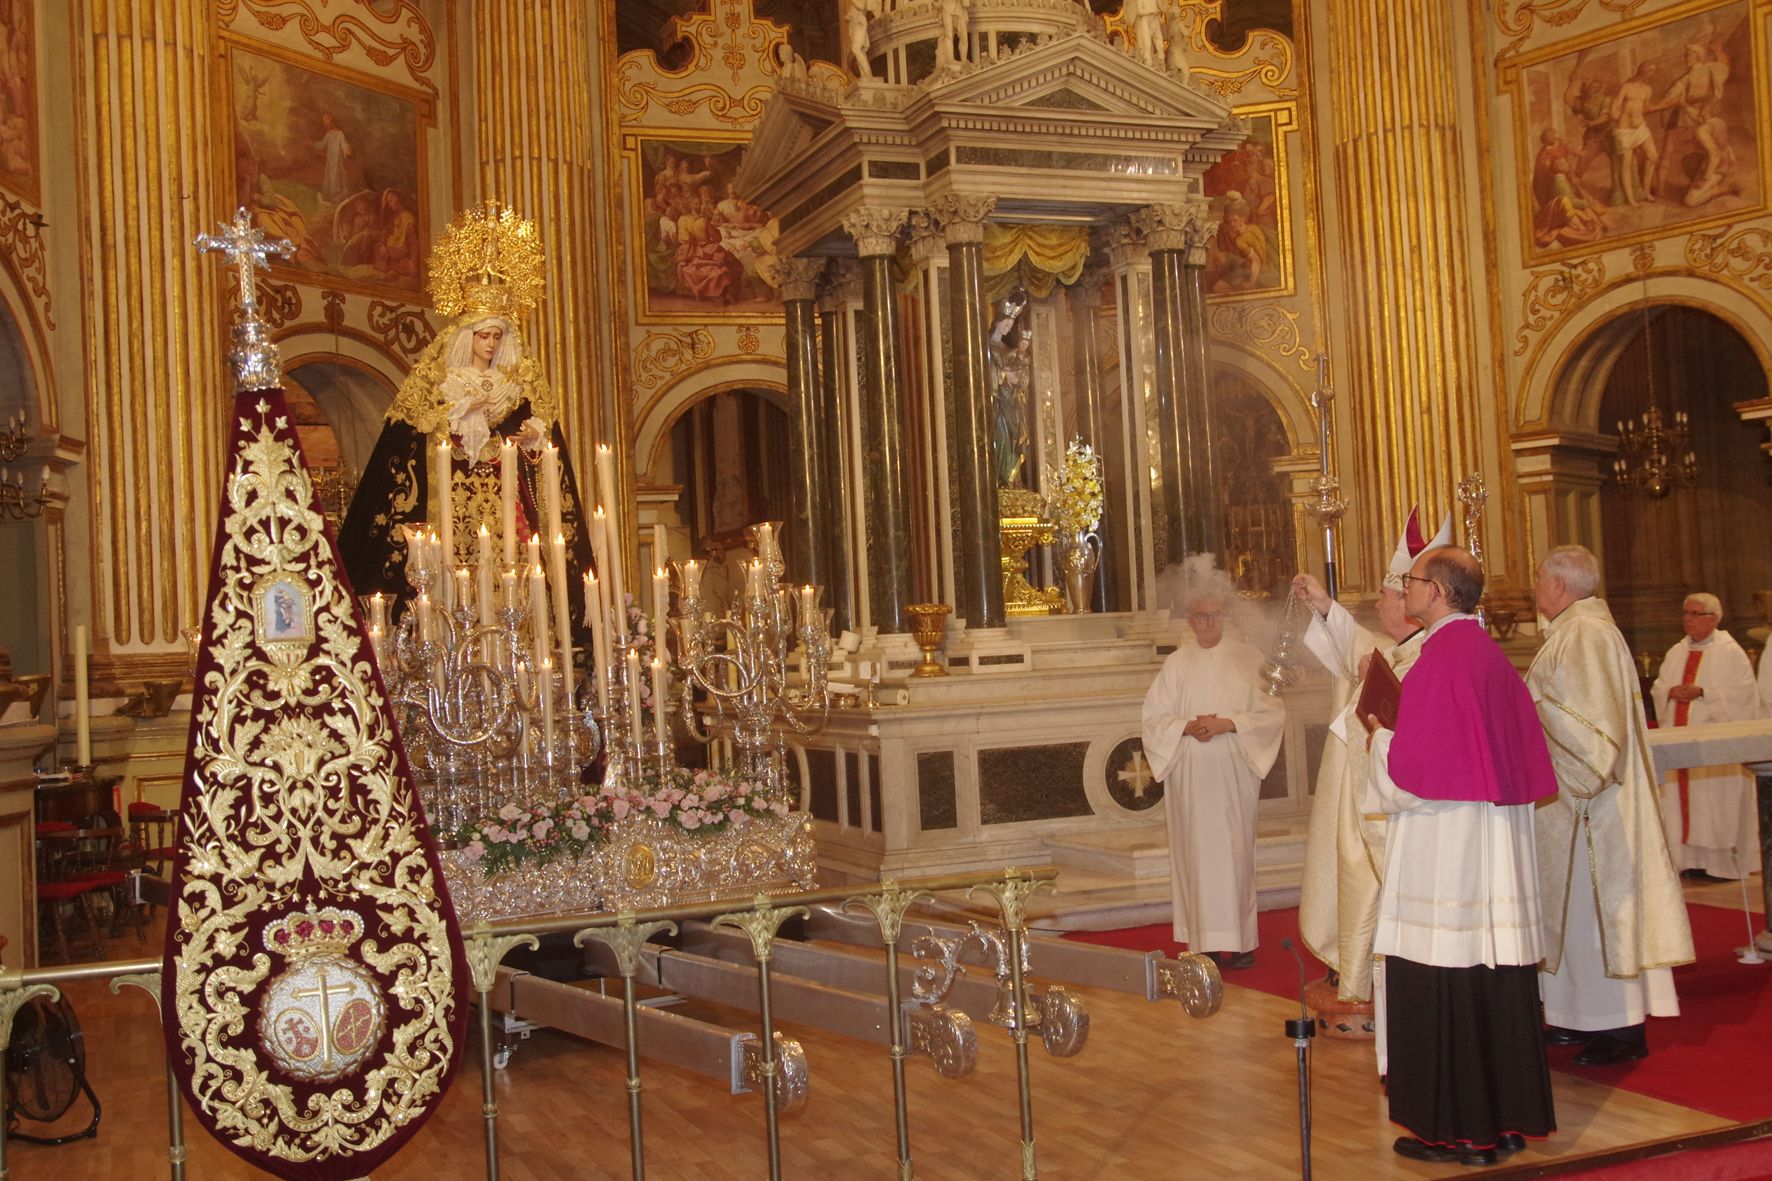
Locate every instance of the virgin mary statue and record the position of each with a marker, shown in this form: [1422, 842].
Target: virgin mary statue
[475, 386]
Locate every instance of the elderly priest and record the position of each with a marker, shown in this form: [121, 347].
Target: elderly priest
[1458, 919]
[1614, 918]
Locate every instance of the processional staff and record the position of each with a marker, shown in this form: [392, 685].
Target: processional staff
[1328, 507]
[256, 364]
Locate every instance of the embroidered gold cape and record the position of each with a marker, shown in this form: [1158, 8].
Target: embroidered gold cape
[1585, 685]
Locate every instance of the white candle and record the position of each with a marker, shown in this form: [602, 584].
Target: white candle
[532, 550]
[610, 562]
[692, 579]
[547, 710]
[599, 639]
[659, 680]
[510, 588]
[765, 540]
[378, 610]
[445, 502]
[507, 502]
[808, 604]
[484, 600]
[550, 483]
[464, 593]
[562, 612]
[82, 701]
[538, 612]
[754, 579]
[606, 490]
[661, 601]
[423, 607]
[660, 555]
[634, 698]
[376, 638]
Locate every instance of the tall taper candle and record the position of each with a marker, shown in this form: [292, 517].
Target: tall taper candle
[538, 612]
[550, 484]
[633, 669]
[547, 710]
[661, 602]
[562, 614]
[659, 680]
[488, 610]
[82, 701]
[594, 611]
[507, 499]
[444, 502]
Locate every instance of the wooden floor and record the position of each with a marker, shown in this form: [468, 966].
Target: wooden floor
[1154, 1094]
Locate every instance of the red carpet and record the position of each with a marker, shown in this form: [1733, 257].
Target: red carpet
[1714, 1057]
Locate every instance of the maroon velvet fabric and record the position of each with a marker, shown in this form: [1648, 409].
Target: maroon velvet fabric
[1466, 728]
[217, 943]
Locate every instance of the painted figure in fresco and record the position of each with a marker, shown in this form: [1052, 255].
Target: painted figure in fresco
[1567, 212]
[334, 184]
[1696, 100]
[1632, 139]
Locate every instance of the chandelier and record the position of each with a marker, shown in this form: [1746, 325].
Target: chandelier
[16, 502]
[1652, 454]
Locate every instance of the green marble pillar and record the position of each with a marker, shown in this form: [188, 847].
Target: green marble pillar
[834, 524]
[978, 565]
[809, 500]
[882, 422]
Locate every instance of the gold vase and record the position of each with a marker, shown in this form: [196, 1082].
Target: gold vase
[1023, 525]
[928, 621]
[1078, 556]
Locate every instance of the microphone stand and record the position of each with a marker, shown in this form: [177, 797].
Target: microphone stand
[1301, 1029]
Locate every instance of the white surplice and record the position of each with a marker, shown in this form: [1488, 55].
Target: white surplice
[1211, 789]
[1716, 828]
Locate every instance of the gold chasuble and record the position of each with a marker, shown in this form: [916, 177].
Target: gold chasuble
[312, 988]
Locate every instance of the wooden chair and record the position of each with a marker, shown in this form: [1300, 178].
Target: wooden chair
[59, 884]
[153, 831]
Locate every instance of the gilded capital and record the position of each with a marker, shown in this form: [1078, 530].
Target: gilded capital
[799, 277]
[875, 230]
[962, 217]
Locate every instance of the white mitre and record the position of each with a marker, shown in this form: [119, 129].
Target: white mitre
[1410, 547]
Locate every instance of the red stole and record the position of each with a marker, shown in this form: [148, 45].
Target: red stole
[1683, 712]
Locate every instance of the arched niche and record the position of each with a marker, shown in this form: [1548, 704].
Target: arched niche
[1252, 446]
[1563, 443]
[656, 415]
[354, 397]
[25, 633]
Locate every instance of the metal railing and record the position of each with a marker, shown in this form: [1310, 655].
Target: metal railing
[626, 933]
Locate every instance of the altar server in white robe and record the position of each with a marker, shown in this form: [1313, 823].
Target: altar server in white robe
[1614, 917]
[1211, 734]
[1712, 826]
[1344, 850]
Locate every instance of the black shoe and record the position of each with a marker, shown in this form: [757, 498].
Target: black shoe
[1606, 1050]
[1556, 1035]
[1509, 1143]
[1241, 959]
[1478, 1156]
[1421, 1150]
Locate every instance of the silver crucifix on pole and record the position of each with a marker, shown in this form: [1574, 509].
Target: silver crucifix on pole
[1327, 508]
[254, 357]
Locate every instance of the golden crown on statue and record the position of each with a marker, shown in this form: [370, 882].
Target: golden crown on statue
[487, 263]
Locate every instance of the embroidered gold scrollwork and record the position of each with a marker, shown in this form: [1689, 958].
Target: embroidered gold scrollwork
[300, 797]
[662, 355]
[1554, 291]
[1744, 254]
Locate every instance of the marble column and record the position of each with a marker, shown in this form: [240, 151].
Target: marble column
[157, 389]
[841, 294]
[808, 561]
[1085, 302]
[882, 421]
[978, 565]
[1190, 518]
[1410, 271]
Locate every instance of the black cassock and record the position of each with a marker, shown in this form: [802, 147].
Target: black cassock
[395, 490]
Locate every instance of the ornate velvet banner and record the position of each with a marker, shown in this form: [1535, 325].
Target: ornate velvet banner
[314, 988]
